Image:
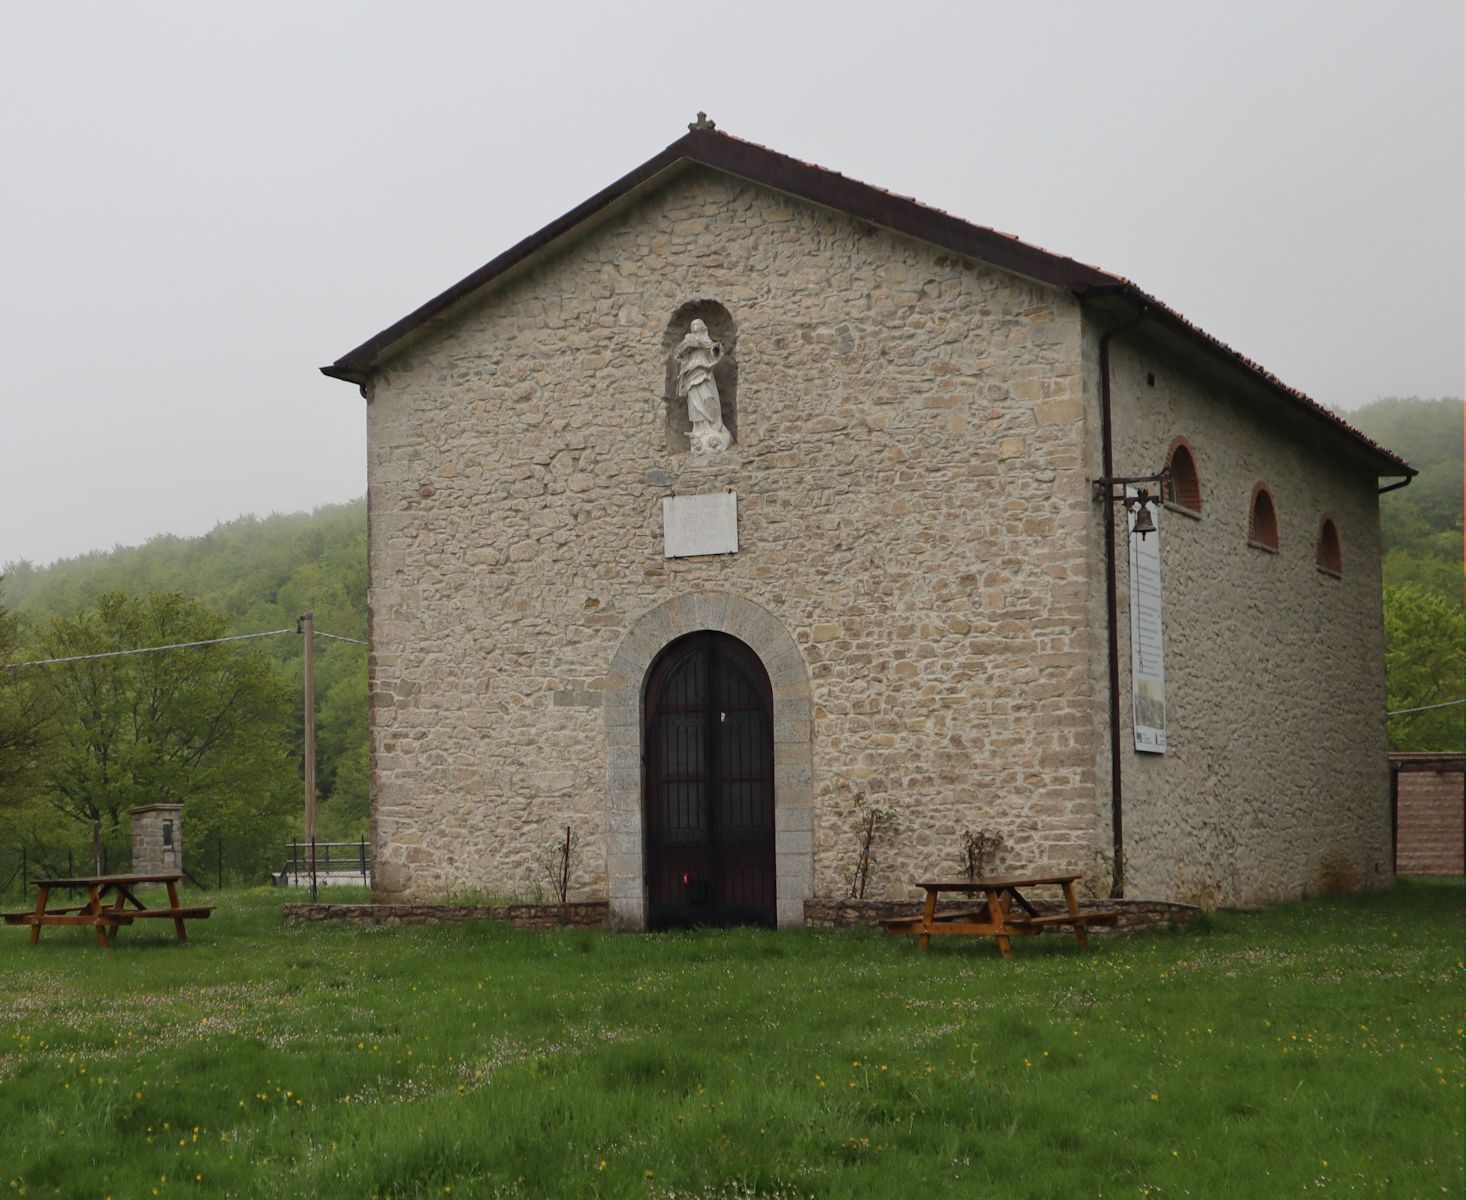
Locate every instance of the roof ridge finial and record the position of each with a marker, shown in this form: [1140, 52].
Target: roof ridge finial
[702, 122]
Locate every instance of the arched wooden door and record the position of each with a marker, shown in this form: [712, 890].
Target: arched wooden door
[708, 749]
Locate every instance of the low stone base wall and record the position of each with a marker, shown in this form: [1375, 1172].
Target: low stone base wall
[1134, 914]
[818, 914]
[589, 914]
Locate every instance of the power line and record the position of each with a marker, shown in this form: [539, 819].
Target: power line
[1400, 712]
[238, 637]
[336, 637]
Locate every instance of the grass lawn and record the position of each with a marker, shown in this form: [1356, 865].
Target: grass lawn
[1311, 1049]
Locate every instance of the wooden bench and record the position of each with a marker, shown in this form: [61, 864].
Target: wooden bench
[907, 924]
[112, 902]
[1093, 917]
[997, 918]
[196, 913]
[56, 916]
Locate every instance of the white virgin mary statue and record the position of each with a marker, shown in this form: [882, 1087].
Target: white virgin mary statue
[696, 356]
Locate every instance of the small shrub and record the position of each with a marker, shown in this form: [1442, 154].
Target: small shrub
[871, 821]
[554, 863]
[1099, 876]
[979, 851]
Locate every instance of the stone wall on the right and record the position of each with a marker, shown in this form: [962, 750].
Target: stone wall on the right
[1275, 783]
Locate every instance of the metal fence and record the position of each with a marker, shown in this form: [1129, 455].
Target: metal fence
[19, 865]
[333, 863]
[209, 863]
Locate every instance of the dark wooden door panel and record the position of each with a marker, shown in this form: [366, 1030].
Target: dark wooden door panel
[708, 742]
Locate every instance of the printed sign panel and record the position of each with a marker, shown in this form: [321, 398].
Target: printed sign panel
[1147, 668]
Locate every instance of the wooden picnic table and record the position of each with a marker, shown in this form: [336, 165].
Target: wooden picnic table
[997, 918]
[106, 908]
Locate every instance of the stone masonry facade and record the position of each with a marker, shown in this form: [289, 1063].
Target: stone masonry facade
[913, 484]
[1275, 783]
[920, 569]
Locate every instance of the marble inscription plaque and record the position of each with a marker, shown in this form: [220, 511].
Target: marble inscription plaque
[700, 525]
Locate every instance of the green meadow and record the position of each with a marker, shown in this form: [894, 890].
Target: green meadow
[1312, 1049]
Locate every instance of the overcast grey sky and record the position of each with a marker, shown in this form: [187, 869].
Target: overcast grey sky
[204, 203]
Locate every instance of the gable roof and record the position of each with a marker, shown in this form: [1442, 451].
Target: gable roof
[704, 146]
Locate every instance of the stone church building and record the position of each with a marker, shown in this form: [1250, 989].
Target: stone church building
[745, 490]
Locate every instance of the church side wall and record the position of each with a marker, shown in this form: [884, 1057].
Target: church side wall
[1275, 783]
[913, 506]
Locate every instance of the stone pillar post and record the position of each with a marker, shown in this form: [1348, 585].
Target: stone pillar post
[157, 839]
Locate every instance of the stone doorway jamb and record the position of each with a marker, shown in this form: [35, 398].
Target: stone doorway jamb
[762, 632]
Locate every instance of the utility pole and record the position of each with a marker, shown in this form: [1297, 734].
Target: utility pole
[306, 626]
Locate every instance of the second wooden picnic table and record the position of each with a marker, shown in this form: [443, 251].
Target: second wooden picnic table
[106, 909]
[997, 918]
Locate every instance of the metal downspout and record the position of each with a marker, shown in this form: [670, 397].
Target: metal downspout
[1107, 442]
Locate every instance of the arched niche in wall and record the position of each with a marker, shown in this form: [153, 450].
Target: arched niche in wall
[721, 328]
[1262, 520]
[1185, 482]
[1330, 556]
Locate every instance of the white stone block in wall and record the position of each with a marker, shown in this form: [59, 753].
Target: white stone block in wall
[700, 525]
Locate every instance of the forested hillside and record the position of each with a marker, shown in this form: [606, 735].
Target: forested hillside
[257, 575]
[1421, 532]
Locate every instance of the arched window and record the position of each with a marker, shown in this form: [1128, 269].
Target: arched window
[1330, 558]
[1185, 483]
[1262, 523]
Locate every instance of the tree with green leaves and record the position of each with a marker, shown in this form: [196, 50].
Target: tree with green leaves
[24, 723]
[206, 726]
[1424, 662]
[1421, 537]
[259, 573]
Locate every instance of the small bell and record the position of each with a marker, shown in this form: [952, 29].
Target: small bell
[1144, 522]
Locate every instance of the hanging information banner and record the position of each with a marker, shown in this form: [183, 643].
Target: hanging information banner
[1147, 668]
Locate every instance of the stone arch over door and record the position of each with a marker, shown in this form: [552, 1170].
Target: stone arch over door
[793, 747]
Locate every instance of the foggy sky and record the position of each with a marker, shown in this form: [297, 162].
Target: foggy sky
[202, 204]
